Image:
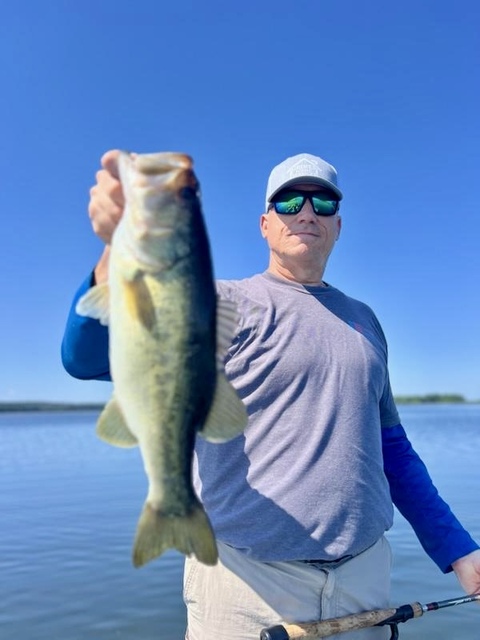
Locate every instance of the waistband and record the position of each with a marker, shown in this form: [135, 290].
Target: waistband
[331, 563]
[335, 563]
[318, 561]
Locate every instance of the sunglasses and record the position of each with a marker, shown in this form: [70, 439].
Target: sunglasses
[289, 203]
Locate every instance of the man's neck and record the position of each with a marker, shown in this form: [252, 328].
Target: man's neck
[302, 275]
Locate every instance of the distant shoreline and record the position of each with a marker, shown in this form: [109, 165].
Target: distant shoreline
[98, 406]
[435, 398]
[7, 407]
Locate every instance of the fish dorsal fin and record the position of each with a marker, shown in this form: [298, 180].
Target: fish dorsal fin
[227, 322]
[228, 416]
[95, 303]
[112, 428]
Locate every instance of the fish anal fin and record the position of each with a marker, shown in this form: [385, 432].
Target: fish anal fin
[112, 428]
[95, 303]
[190, 534]
[228, 416]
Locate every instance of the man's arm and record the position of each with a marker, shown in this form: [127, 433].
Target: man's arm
[442, 536]
[85, 341]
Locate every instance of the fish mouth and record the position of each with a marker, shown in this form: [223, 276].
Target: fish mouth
[170, 171]
[160, 172]
[162, 163]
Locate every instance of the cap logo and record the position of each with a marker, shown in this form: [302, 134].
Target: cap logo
[304, 167]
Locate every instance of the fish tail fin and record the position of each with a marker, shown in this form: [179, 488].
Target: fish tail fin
[189, 534]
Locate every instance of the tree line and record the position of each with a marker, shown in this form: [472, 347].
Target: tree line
[446, 398]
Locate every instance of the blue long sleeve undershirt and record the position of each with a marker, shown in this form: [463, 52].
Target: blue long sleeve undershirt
[415, 496]
[85, 356]
[84, 349]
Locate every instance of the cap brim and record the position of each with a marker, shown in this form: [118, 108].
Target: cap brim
[308, 180]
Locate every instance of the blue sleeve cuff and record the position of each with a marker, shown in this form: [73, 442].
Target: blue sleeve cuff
[85, 343]
[415, 496]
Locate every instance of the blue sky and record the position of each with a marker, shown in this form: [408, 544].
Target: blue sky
[387, 92]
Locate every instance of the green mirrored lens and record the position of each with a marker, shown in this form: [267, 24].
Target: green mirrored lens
[324, 207]
[290, 205]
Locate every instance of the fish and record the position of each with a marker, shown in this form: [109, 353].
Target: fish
[168, 337]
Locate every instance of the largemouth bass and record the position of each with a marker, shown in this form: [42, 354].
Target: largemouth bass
[168, 336]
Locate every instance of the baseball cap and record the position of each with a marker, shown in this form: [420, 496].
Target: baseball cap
[302, 168]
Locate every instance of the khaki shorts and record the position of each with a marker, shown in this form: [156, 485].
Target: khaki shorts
[238, 597]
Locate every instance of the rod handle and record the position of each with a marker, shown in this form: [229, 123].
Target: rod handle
[325, 628]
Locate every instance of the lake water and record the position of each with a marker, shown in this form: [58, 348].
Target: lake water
[69, 506]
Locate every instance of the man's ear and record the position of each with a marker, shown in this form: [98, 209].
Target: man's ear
[339, 227]
[264, 224]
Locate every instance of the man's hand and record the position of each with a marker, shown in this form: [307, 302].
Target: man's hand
[106, 198]
[467, 570]
[106, 208]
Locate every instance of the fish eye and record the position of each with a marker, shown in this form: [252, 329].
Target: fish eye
[189, 193]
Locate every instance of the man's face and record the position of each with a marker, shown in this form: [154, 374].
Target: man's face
[304, 238]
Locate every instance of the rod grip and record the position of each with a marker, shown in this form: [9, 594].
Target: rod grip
[325, 628]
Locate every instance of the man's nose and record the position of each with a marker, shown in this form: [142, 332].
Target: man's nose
[306, 212]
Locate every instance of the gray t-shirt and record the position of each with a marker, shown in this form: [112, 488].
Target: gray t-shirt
[306, 479]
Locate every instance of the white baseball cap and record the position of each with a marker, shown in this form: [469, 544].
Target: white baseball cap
[302, 168]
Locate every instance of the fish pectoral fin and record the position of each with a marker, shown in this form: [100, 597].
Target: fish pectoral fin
[228, 415]
[112, 428]
[95, 303]
[139, 302]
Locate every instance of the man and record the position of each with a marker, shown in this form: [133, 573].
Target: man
[299, 502]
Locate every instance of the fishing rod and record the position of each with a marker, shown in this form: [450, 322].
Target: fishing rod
[374, 618]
